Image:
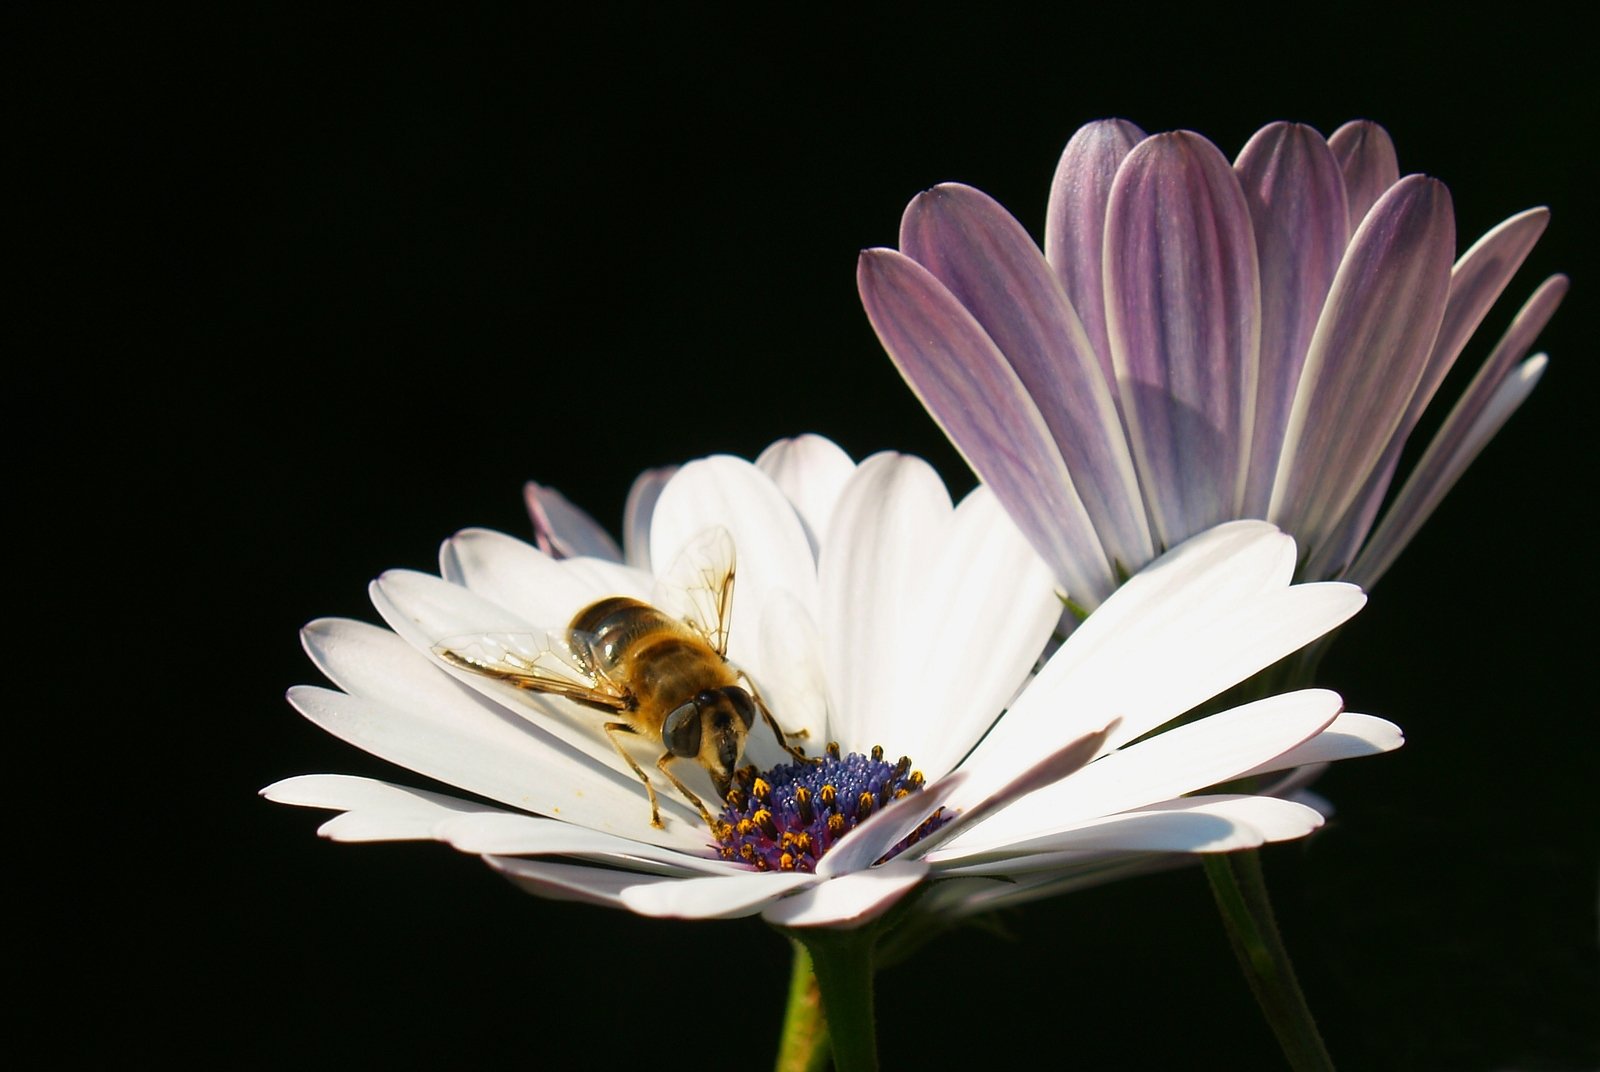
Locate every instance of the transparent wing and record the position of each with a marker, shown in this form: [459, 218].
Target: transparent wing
[698, 587]
[555, 662]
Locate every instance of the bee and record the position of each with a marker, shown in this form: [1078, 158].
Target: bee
[666, 678]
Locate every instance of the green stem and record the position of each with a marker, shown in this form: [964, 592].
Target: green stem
[1241, 893]
[803, 1046]
[841, 962]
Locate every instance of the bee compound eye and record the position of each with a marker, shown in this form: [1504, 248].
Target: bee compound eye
[743, 705]
[680, 731]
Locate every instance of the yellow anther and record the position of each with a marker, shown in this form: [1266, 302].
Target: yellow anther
[802, 804]
[836, 824]
[761, 790]
[827, 794]
[763, 819]
[786, 862]
[864, 805]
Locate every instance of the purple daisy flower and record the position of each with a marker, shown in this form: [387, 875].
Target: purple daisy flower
[1200, 341]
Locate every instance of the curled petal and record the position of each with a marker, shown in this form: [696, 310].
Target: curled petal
[563, 530]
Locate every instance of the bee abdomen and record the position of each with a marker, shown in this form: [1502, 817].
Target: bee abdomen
[615, 625]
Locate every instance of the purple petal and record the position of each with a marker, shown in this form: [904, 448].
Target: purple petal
[1074, 228]
[988, 262]
[1367, 357]
[1366, 156]
[1297, 208]
[1476, 282]
[964, 382]
[1463, 433]
[1183, 319]
[561, 530]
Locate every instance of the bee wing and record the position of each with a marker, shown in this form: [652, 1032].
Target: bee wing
[698, 587]
[555, 662]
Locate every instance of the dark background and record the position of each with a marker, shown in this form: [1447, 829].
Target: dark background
[318, 290]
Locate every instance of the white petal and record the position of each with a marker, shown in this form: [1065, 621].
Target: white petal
[374, 810]
[722, 897]
[499, 833]
[811, 471]
[1200, 619]
[1224, 823]
[773, 553]
[858, 849]
[982, 616]
[876, 559]
[1349, 736]
[849, 900]
[794, 680]
[987, 793]
[1166, 766]
[572, 882]
[522, 579]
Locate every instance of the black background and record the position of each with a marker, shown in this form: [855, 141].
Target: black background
[319, 289]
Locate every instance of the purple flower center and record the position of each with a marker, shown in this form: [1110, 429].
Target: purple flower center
[786, 818]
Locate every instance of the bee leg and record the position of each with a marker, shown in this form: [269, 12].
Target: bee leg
[612, 729]
[772, 723]
[661, 765]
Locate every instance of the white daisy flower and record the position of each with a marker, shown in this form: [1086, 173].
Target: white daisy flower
[869, 611]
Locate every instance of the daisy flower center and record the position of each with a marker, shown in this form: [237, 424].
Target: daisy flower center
[786, 818]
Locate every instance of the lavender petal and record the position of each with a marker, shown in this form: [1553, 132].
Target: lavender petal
[988, 262]
[1463, 433]
[1367, 158]
[966, 385]
[1183, 320]
[1075, 224]
[1369, 352]
[1297, 208]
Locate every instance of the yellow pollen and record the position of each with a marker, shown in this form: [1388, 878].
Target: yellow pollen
[836, 824]
[827, 795]
[786, 862]
[761, 790]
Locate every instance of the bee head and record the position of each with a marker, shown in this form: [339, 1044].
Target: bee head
[711, 728]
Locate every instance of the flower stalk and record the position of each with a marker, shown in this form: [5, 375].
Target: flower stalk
[1240, 890]
[841, 967]
[804, 1045]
